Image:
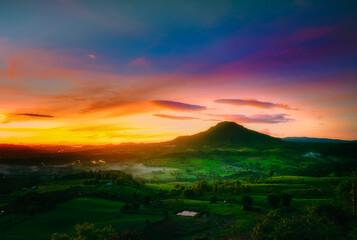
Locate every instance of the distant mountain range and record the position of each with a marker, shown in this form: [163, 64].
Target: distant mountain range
[224, 134]
[17, 149]
[316, 140]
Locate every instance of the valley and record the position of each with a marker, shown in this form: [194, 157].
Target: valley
[233, 184]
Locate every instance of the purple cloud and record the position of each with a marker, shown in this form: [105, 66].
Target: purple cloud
[175, 117]
[257, 118]
[253, 103]
[177, 106]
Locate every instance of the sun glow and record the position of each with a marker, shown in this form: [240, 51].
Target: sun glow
[86, 88]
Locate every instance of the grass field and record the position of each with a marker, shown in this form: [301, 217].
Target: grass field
[224, 218]
[64, 216]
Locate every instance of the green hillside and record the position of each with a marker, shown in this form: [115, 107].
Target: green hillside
[227, 134]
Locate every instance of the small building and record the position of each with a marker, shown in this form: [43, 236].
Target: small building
[187, 214]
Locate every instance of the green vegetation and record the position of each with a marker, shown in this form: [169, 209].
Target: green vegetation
[259, 188]
[228, 208]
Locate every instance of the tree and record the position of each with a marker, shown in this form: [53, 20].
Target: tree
[274, 227]
[136, 206]
[247, 202]
[203, 185]
[129, 235]
[188, 192]
[87, 231]
[201, 238]
[270, 173]
[286, 199]
[61, 236]
[332, 213]
[165, 214]
[347, 191]
[274, 200]
[213, 200]
[2, 177]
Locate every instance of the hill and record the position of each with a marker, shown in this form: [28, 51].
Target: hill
[227, 134]
[316, 140]
[12, 149]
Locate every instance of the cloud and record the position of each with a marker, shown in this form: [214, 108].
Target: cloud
[13, 117]
[35, 115]
[140, 62]
[257, 118]
[178, 106]
[175, 117]
[92, 56]
[105, 100]
[3, 118]
[212, 119]
[268, 132]
[253, 103]
[102, 128]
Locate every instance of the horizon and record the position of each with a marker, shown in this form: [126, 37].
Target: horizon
[84, 73]
[115, 144]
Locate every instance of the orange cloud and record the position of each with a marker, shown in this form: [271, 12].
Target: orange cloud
[76, 90]
[35, 115]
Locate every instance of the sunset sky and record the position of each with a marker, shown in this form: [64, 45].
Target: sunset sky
[98, 72]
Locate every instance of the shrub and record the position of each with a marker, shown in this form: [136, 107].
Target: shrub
[128, 235]
[331, 213]
[276, 227]
[274, 200]
[87, 231]
[165, 214]
[61, 236]
[213, 200]
[286, 199]
[204, 237]
[247, 202]
[189, 192]
[130, 207]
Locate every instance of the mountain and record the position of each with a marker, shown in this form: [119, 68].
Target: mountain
[12, 149]
[316, 140]
[226, 134]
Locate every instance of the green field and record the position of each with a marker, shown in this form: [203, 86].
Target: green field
[226, 217]
[65, 215]
[236, 192]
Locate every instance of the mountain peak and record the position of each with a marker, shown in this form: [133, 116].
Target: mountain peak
[227, 124]
[227, 134]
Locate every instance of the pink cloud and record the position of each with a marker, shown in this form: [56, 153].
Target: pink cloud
[140, 62]
[268, 132]
[256, 118]
[92, 56]
[253, 103]
[178, 106]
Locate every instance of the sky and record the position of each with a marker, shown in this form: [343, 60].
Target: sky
[99, 72]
